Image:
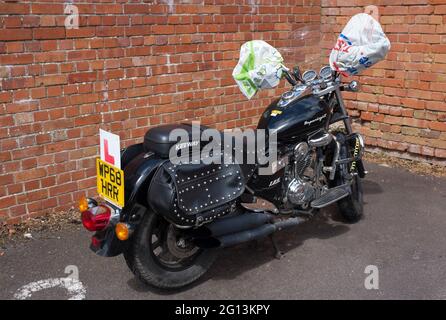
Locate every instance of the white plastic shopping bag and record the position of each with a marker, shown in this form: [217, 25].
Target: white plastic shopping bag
[259, 67]
[361, 44]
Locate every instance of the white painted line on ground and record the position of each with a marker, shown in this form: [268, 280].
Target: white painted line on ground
[75, 288]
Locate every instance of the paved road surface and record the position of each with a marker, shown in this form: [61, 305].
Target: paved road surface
[403, 234]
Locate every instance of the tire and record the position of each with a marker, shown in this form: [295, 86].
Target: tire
[151, 270]
[351, 207]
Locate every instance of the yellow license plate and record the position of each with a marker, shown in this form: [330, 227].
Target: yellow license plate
[110, 182]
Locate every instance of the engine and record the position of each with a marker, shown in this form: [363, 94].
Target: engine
[300, 190]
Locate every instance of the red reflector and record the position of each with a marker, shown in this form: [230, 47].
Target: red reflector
[95, 242]
[97, 218]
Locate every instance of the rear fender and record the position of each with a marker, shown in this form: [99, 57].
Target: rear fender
[139, 167]
[138, 174]
[105, 243]
[129, 153]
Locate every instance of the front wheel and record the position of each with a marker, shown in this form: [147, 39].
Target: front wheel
[162, 256]
[352, 207]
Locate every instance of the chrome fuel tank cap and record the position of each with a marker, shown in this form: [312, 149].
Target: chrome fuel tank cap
[287, 95]
[292, 95]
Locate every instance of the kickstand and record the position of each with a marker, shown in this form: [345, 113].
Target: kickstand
[277, 253]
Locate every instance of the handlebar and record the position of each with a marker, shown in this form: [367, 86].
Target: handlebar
[322, 86]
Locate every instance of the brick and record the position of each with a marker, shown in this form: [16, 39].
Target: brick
[436, 105]
[419, 10]
[22, 118]
[436, 125]
[15, 34]
[413, 103]
[51, 80]
[166, 29]
[81, 55]
[367, 116]
[440, 153]
[88, 32]
[393, 120]
[46, 9]
[5, 97]
[49, 33]
[14, 8]
[108, 9]
[31, 174]
[136, 8]
[440, 9]
[7, 202]
[6, 179]
[16, 59]
[82, 77]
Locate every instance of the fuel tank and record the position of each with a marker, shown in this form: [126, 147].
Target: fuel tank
[298, 118]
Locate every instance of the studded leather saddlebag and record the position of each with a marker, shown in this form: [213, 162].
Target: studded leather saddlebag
[191, 194]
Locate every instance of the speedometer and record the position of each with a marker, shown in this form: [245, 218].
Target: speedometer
[325, 73]
[309, 76]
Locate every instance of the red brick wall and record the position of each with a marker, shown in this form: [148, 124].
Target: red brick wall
[129, 66]
[132, 65]
[402, 103]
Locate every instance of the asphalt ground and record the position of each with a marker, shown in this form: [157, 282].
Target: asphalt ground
[403, 234]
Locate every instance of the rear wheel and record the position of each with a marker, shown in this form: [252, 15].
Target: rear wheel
[162, 256]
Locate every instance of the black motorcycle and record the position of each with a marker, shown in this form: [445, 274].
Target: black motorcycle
[176, 216]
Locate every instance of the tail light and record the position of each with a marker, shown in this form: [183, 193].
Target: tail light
[96, 218]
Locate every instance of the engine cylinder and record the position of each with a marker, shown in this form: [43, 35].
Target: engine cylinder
[302, 159]
[300, 192]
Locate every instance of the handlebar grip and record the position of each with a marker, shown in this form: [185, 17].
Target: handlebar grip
[351, 87]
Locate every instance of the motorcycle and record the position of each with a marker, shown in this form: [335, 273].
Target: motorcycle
[176, 217]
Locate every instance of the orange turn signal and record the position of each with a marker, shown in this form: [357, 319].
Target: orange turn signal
[83, 204]
[122, 231]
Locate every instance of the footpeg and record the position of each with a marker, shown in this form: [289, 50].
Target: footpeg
[331, 196]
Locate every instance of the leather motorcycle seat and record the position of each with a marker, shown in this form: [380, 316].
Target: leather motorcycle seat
[158, 140]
